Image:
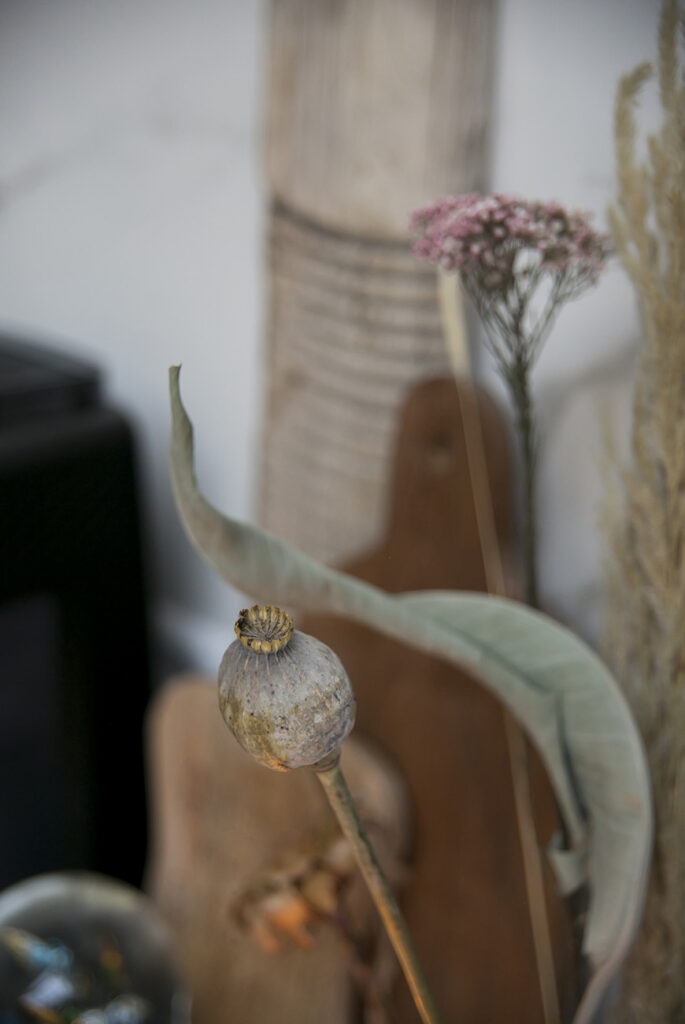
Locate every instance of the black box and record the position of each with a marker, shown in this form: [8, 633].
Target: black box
[74, 672]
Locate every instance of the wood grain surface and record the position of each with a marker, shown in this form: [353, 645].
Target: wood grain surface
[374, 107]
[353, 325]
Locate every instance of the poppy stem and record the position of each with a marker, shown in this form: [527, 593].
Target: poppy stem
[340, 799]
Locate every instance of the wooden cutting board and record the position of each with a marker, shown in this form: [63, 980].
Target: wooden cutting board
[465, 901]
[229, 836]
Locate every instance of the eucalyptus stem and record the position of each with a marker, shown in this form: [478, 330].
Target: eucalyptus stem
[340, 799]
[518, 381]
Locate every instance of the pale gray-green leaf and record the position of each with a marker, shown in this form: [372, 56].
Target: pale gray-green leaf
[554, 685]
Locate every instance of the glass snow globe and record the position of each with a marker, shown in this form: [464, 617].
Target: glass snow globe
[79, 948]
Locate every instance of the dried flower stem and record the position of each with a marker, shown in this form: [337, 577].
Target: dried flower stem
[454, 330]
[340, 799]
[645, 514]
[518, 381]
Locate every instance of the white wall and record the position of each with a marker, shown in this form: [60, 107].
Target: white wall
[131, 223]
[131, 218]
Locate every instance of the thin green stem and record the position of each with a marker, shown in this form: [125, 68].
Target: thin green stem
[517, 379]
[340, 799]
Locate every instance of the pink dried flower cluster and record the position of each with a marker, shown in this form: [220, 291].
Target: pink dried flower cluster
[493, 238]
[519, 260]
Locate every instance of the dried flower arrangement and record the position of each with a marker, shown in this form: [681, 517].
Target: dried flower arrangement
[519, 261]
[645, 514]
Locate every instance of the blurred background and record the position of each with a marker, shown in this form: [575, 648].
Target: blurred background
[134, 208]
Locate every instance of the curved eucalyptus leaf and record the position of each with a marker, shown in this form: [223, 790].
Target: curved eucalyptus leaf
[553, 684]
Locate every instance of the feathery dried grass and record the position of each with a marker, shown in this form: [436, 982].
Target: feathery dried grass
[645, 514]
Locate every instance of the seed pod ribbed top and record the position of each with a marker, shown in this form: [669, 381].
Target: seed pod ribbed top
[285, 696]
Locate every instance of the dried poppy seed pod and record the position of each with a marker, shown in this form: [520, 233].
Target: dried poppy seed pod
[284, 695]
